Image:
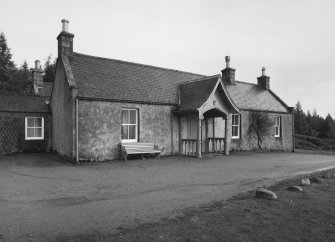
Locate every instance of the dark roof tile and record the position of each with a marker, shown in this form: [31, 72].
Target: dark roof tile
[252, 96]
[20, 103]
[194, 94]
[102, 78]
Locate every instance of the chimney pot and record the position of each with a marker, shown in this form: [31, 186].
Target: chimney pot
[37, 64]
[65, 25]
[227, 61]
[263, 71]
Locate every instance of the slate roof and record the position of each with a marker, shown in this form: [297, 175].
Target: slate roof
[109, 79]
[25, 104]
[104, 78]
[252, 96]
[194, 94]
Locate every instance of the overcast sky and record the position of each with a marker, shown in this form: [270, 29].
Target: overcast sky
[293, 39]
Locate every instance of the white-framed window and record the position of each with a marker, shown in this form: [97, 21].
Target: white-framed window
[34, 128]
[129, 123]
[235, 123]
[277, 126]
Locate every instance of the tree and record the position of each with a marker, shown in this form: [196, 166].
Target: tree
[300, 123]
[21, 79]
[49, 70]
[327, 128]
[260, 125]
[7, 66]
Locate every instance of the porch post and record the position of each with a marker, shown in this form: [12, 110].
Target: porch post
[226, 137]
[199, 155]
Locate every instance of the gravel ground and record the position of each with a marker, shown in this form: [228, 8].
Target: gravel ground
[43, 198]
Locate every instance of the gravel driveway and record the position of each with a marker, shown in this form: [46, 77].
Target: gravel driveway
[45, 198]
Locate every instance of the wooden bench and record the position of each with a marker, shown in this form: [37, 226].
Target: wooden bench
[138, 148]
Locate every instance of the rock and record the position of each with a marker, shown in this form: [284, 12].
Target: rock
[315, 179]
[266, 194]
[295, 188]
[305, 182]
[329, 175]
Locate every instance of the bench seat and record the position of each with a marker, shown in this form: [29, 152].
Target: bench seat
[138, 148]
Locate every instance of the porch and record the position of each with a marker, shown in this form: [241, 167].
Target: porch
[204, 117]
[206, 135]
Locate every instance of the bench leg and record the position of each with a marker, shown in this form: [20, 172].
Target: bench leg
[143, 157]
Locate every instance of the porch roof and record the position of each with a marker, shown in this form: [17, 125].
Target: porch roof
[194, 93]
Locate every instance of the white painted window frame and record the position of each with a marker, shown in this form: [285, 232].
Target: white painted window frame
[235, 125]
[277, 126]
[26, 128]
[136, 126]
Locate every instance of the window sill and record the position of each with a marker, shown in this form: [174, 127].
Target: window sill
[129, 141]
[34, 138]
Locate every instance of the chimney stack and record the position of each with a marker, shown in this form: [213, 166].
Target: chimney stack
[263, 81]
[37, 77]
[228, 74]
[65, 39]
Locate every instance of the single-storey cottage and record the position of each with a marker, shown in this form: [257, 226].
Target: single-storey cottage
[25, 119]
[98, 103]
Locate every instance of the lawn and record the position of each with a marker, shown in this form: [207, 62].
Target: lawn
[296, 216]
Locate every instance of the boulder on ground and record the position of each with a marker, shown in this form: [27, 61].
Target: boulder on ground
[315, 179]
[295, 188]
[266, 194]
[305, 182]
[329, 175]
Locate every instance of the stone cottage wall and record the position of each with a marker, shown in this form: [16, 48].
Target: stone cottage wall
[62, 114]
[12, 136]
[248, 141]
[100, 128]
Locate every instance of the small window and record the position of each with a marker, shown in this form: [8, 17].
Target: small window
[129, 124]
[34, 127]
[277, 126]
[235, 126]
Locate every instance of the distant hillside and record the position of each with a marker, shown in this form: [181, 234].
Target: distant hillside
[306, 142]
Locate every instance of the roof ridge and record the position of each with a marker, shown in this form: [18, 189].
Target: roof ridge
[247, 83]
[138, 64]
[199, 79]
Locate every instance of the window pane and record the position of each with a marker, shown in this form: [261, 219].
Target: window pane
[125, 117]
[235, 119]
[235, 131]
[124, 131]
[132, 132]
[132, 116]
[30, 132]
[30, 122]
[38, 122]
[38, 132]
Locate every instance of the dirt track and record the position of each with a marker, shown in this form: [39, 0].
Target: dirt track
[42, 197]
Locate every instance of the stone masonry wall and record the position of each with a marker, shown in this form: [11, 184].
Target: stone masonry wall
[248, 141]
[100, 128]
